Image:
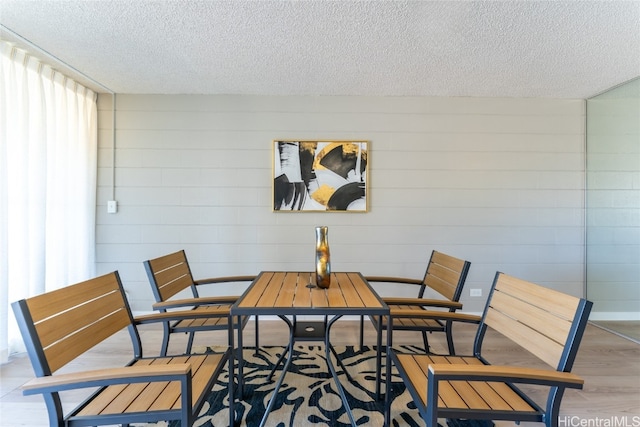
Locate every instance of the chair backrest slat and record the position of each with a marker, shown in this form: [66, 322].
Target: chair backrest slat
[445, 275]
[54, 302]
[537, 318]
[76, 344]
[56, 328]
[71, 320]
[170, 274]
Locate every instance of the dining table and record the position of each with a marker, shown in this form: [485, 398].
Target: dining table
[295, 293]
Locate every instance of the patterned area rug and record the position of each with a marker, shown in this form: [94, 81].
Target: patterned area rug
[308, 394]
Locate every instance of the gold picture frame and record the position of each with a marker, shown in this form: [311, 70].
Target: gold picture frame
[320, 176]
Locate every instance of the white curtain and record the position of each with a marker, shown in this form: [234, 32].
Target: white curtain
[48, 152]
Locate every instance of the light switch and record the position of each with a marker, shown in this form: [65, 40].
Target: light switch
[112, 206]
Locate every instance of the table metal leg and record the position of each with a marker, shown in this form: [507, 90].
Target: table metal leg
[379, 357]
[285, 368]
[344, 368]
[287, 348]
[240, 360]
[387, 383]
[232, 415]
[343, 396]
[257, 336]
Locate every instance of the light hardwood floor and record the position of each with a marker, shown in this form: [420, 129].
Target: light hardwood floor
[610, 365]
[626, 328]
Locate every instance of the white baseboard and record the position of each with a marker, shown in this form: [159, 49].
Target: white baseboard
[614, 315]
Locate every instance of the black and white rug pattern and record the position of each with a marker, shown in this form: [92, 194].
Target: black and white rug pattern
[308, 394]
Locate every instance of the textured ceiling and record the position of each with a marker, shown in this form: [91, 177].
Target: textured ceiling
[551, 49]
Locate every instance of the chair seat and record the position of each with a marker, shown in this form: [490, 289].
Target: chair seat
[440, 289]
[170, 276]
[151, 397]
[463, 395]
[203, 324]
[412, 323]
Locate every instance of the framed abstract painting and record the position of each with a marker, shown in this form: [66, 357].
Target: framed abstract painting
[320, 176]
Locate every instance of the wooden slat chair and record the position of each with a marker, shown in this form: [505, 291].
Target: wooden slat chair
[169, 275]
[547, 323]
[445, 275]
[61, 325]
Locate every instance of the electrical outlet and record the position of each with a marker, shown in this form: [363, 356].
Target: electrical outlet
[112, 206]
[475, 292]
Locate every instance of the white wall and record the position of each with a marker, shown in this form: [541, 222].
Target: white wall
[499, 182]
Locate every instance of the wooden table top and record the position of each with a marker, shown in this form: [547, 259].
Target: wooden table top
[280, 292]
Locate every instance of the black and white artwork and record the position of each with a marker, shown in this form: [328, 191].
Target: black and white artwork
[320, 176]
